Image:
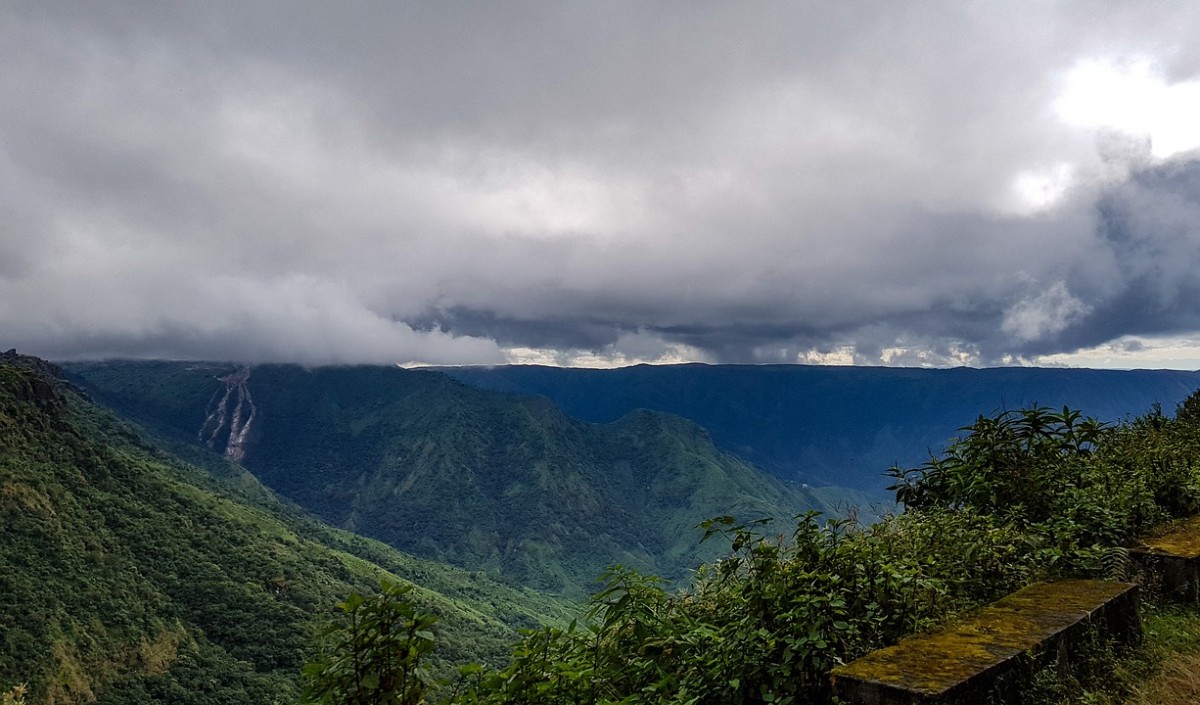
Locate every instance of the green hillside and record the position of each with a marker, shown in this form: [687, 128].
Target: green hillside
[127, 576]
[480, 479]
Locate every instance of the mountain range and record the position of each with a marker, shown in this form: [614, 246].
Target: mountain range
[175, 531]
[484, 480]
[829, 425]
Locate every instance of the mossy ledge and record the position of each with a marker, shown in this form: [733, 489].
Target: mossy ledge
[1169, 560]
[993, 654]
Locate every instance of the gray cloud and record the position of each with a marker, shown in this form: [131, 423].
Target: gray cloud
[442, 182]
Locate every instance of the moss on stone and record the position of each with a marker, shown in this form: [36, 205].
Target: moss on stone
[1180, 539]
[939, 661]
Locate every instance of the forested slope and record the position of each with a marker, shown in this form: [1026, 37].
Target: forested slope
[127, 576]
[481, 479]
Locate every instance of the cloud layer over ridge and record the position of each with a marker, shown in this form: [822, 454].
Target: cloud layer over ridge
[596, 183]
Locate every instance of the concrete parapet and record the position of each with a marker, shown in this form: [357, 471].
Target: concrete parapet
[992, 656]
[1169, 560]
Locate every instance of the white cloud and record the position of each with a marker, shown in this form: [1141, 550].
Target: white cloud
[1036, 190]
[1133, 95]
[842, 355]
[636, 348]
[839, 182]
[1043, 313]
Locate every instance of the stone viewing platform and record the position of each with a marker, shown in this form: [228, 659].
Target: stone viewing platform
[1169, 560]
[995, 652]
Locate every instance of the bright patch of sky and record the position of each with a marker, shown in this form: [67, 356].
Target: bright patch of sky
[1039, 189]
[637, 348]
[1135, 96]
[1131, 352]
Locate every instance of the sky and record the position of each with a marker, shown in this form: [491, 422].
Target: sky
[602, 183]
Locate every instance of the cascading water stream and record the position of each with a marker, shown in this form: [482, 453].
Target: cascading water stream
[218, 418]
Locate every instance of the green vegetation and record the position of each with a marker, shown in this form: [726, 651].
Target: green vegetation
[1163, 672]
[1065, 477]
[375, 656]
[1168, 670]
[487, 481]
[129, 577]
[1022, 496]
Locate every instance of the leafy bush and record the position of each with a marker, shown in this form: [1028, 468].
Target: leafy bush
[374, 656]
[1010, 464]
[1076, 487]
[767, 623]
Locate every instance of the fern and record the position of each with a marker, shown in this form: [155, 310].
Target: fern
[1115, 563]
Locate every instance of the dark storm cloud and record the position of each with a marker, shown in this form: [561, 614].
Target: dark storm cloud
[444, 182]
[1149, 229]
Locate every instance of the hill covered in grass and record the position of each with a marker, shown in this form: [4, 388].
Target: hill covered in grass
[484, 480]
[129, 576]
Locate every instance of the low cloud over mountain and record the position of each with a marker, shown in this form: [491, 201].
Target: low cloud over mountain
[870, 182]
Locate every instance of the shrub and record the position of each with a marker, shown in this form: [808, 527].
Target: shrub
[373, 655]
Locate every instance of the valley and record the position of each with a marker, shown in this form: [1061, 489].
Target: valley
[484, 480]
[188, 549]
